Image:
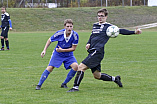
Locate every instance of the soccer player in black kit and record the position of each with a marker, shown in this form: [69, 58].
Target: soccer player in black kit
[95, 48]
[6, 22]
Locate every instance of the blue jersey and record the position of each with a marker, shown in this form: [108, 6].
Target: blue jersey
[65, 42]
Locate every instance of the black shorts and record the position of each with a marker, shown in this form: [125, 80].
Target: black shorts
[5, 32]
[93, 60]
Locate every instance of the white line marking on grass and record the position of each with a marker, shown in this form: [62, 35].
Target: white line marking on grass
[146, 26]
[131, 61]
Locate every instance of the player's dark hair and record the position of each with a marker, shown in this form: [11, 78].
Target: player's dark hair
[105, 11]
[3, 7]
[70, 21]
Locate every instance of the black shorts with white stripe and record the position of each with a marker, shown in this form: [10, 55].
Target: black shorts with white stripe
[93, 60]
[5, 32]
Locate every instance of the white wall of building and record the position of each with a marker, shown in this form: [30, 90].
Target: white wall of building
[152, 2]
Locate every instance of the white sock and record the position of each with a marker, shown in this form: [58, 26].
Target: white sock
[113, 78]
[76, 87]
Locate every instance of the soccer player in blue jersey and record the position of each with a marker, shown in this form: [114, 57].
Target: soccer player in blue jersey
[95, 48]
[63, 53]
[5, 26]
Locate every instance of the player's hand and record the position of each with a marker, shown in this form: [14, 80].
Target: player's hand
[87, 46]
[10, 28]
[59, 49]
[43, 53]
[0, 27]
[138, 31]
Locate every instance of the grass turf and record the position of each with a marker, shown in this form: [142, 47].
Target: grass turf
[133, 57]
[48, 19]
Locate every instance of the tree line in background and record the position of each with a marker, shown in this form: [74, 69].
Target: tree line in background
[70, 3]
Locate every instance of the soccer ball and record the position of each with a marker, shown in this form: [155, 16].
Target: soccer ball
[112, 31]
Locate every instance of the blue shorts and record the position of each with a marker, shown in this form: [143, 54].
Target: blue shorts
[57, 60]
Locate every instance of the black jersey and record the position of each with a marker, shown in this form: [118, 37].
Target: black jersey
[98, 37]
[5, 19]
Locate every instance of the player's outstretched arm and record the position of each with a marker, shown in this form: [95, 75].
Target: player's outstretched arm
[45, 48]
[128, 32]
[138, 31]
[59, 49]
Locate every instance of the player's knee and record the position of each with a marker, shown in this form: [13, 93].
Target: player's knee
[6, 39]
[80, 67]
[50, 68]
[96, 77]
[75, 66]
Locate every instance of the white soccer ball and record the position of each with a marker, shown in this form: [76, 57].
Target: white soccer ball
[112, 31]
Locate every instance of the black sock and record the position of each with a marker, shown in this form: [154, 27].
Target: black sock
[105, 77]
[78, 78]
[2, 42]
[7, 44]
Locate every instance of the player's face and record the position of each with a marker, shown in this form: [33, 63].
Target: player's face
[101, 17]
[69, 28]
[3, 10]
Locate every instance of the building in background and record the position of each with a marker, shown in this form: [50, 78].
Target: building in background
[152, 2]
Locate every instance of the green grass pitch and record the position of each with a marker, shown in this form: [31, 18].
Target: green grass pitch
[133, 57]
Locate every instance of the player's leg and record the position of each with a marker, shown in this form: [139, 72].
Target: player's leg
[70, 63]
[55, 61]
[2, 43]
[80, 74]
[7, 43]
[6, 37]
[44, 76]
[2, 39]
[105, 77]
[101, 76]
[70, 75]
[90, 61]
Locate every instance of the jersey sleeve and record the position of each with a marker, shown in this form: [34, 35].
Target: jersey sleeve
[89, 41]
[76, 39]
[126, 32]
[8, 16]
[10, 23]
[54, 37]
